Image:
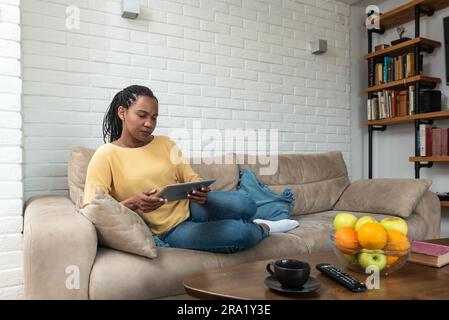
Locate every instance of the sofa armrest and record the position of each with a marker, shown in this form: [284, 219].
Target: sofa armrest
[428, 211]
[60, 246]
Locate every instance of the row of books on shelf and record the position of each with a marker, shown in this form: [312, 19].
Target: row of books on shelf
[433, 141]
[393, 69]
[387, 104]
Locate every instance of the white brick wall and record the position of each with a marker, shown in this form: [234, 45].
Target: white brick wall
[11, 189]
[229, 63]
[243, 61]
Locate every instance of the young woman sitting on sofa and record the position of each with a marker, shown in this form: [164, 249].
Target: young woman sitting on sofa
[135, 165]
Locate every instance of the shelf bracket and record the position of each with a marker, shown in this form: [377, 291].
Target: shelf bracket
[371, 129]
[419, 166]
[379, 128]
[425, 165]
[378, 31]
[427, 11]
[425, 49]
[424, 121]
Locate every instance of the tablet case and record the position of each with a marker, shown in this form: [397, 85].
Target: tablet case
[179, 191]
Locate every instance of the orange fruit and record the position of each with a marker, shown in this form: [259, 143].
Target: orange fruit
[398, 242]
[372, 236]
[391, 260]
[346, 240]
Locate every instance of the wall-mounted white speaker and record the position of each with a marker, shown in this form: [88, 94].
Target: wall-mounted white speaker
[130, 9]
[318, 46]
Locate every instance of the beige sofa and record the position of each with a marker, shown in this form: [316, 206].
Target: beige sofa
[61, 245]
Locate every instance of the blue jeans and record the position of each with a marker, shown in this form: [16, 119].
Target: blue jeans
[223, 224]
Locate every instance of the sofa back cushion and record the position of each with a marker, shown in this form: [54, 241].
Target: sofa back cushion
[398, 197]
[227, 175]
[76, 173]
[317, 180]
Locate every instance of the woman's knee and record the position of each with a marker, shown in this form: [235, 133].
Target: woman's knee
[246, 206]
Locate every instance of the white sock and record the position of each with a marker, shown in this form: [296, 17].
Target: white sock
[283, 225]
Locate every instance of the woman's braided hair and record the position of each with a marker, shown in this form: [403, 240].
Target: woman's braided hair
[112, 124]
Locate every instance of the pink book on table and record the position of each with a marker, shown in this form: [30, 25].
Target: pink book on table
[430, 249]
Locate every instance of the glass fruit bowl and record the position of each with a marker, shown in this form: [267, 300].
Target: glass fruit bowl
[387, 257]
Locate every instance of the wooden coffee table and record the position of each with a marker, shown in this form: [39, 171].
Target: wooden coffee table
[246, 281]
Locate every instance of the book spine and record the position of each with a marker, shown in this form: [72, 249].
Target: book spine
[379, 73]
[429, 142]
[394, 104]
[368, 109]
[422, 140]
[371, 73]
[444, 142]
[436, 142]
[407, 64]
[412, 100]
[412, 64]
[390, 69]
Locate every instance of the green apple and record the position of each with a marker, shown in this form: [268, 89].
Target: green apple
[350, 258]
[368, 259]
[372, 251]
[344, 219]
[395, 223]
[363, 220]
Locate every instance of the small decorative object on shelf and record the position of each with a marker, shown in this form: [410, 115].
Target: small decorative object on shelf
[400, 31]
[381, 47]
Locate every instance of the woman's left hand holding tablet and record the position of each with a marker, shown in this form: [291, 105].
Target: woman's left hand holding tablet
[199, 195]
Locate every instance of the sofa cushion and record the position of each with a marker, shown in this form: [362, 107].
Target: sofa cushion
[277, 245]
[76, 173]
[121, 276]
[316, 180]
[119, 227]
[397, 197]
[161, 277]
[227, 175]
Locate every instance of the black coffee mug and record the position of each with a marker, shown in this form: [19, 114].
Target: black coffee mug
[290, 273]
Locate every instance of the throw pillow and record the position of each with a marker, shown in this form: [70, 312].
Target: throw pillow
[397, 197]
[119, 227]
[270, 205]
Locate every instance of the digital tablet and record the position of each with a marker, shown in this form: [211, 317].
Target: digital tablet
[179, 191]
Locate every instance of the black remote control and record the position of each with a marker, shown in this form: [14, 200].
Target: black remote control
[342, 278]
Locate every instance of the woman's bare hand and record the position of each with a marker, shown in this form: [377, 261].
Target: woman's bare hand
[145, 201]
[199, 196]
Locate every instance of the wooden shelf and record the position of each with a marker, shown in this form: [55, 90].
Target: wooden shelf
[429, 159]
[406, 12]
[425, 80]
[398, 16]
[445, 203]
[407, 119]
[403, 47]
